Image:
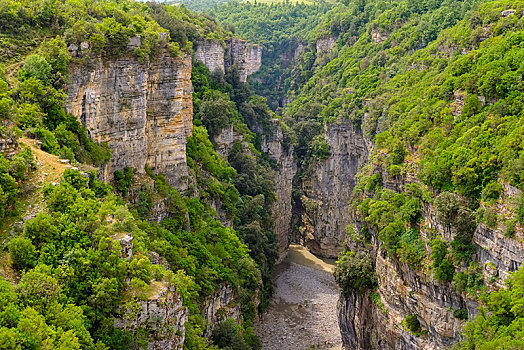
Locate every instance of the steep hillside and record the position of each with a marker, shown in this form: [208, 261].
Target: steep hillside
[414, 167]
[146, 192]
[161, 226]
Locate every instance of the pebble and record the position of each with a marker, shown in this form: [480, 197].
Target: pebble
[302, 314]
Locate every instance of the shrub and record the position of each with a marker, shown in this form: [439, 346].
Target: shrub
[413, 324]
[23, 253]
[491, 192]
[227, 336]
[319, 148]
[510, 228]
[355, 273]
[35, 66]
[461, 314]
[447, 205]
[489, 217]
[124, 180]
[442, 267]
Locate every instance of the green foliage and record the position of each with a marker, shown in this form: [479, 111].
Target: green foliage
[35, 66]
[282, 28]
[500, 321]
[442, 267]
[227, 336]
[461, 314]
[319, 148]
[124, 180]
[413, 324]
[23, 253]
[470, 281]
[355, 273]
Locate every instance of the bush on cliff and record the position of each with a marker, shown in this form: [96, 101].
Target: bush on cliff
[355, 273]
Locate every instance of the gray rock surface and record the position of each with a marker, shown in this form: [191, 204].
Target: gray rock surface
[162, 315]
[274, 145]
[327, 188]
[219, 307]
[245, 56]
[143, 111]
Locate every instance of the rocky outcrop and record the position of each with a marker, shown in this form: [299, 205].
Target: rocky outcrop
[161, 315]
[246, 57]
[326, 44]
[379, 37]
[327, 187]
[275, 145]
[403, 291]
[8, 145]
[226, 139]
[211, 54]
[219, 307]
[142, 110]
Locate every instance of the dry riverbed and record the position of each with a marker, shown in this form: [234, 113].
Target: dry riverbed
[302, 314]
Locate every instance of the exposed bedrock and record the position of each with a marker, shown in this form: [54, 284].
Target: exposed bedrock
[142, 110]
[327, 187]
[220, 56]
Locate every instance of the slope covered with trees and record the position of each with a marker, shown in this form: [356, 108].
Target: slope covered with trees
[283, 29]
[66, 272]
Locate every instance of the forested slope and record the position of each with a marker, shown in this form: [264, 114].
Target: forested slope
[89, 264]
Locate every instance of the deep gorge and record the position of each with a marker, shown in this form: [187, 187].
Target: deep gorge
[165, 177]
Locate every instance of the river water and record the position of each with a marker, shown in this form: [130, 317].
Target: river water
[302, 314]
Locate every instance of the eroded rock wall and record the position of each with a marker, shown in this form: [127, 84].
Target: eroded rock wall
[143, 111]
[327, 187]
[220, 306]
[246, 57]
[405, 291]
[282, 152]
[162, 315]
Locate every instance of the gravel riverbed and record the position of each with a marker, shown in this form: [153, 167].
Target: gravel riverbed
[302, 313]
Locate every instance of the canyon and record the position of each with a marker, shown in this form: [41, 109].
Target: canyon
[144, 113]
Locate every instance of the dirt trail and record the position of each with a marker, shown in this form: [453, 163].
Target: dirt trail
[302, 314]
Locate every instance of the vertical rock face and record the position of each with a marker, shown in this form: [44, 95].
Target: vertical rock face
[162, 315]
[211, 53]
[403, 292]
[326, 44]
[275, 146]
[327, 189]
[219, 307]
[143, 111]
[246, 57]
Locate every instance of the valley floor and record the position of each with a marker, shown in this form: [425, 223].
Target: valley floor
[302, 314]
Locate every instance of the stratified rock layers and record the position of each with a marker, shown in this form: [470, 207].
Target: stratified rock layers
[246, 57]
[327, 189]
[277, 149]
[143, 111]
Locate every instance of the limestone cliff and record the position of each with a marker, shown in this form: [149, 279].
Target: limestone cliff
[376, 322]
[275, 145]
[142, 110]
[403, 291]
[246, 57]
[162, 316]
[327, 188]
[220, 306]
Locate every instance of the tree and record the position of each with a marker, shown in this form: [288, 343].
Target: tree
[355, 273]
[23, 252]
[35, 66]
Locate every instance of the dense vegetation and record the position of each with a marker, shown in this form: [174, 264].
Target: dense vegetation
[283, 29]
[437, 85]
[71, 275]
